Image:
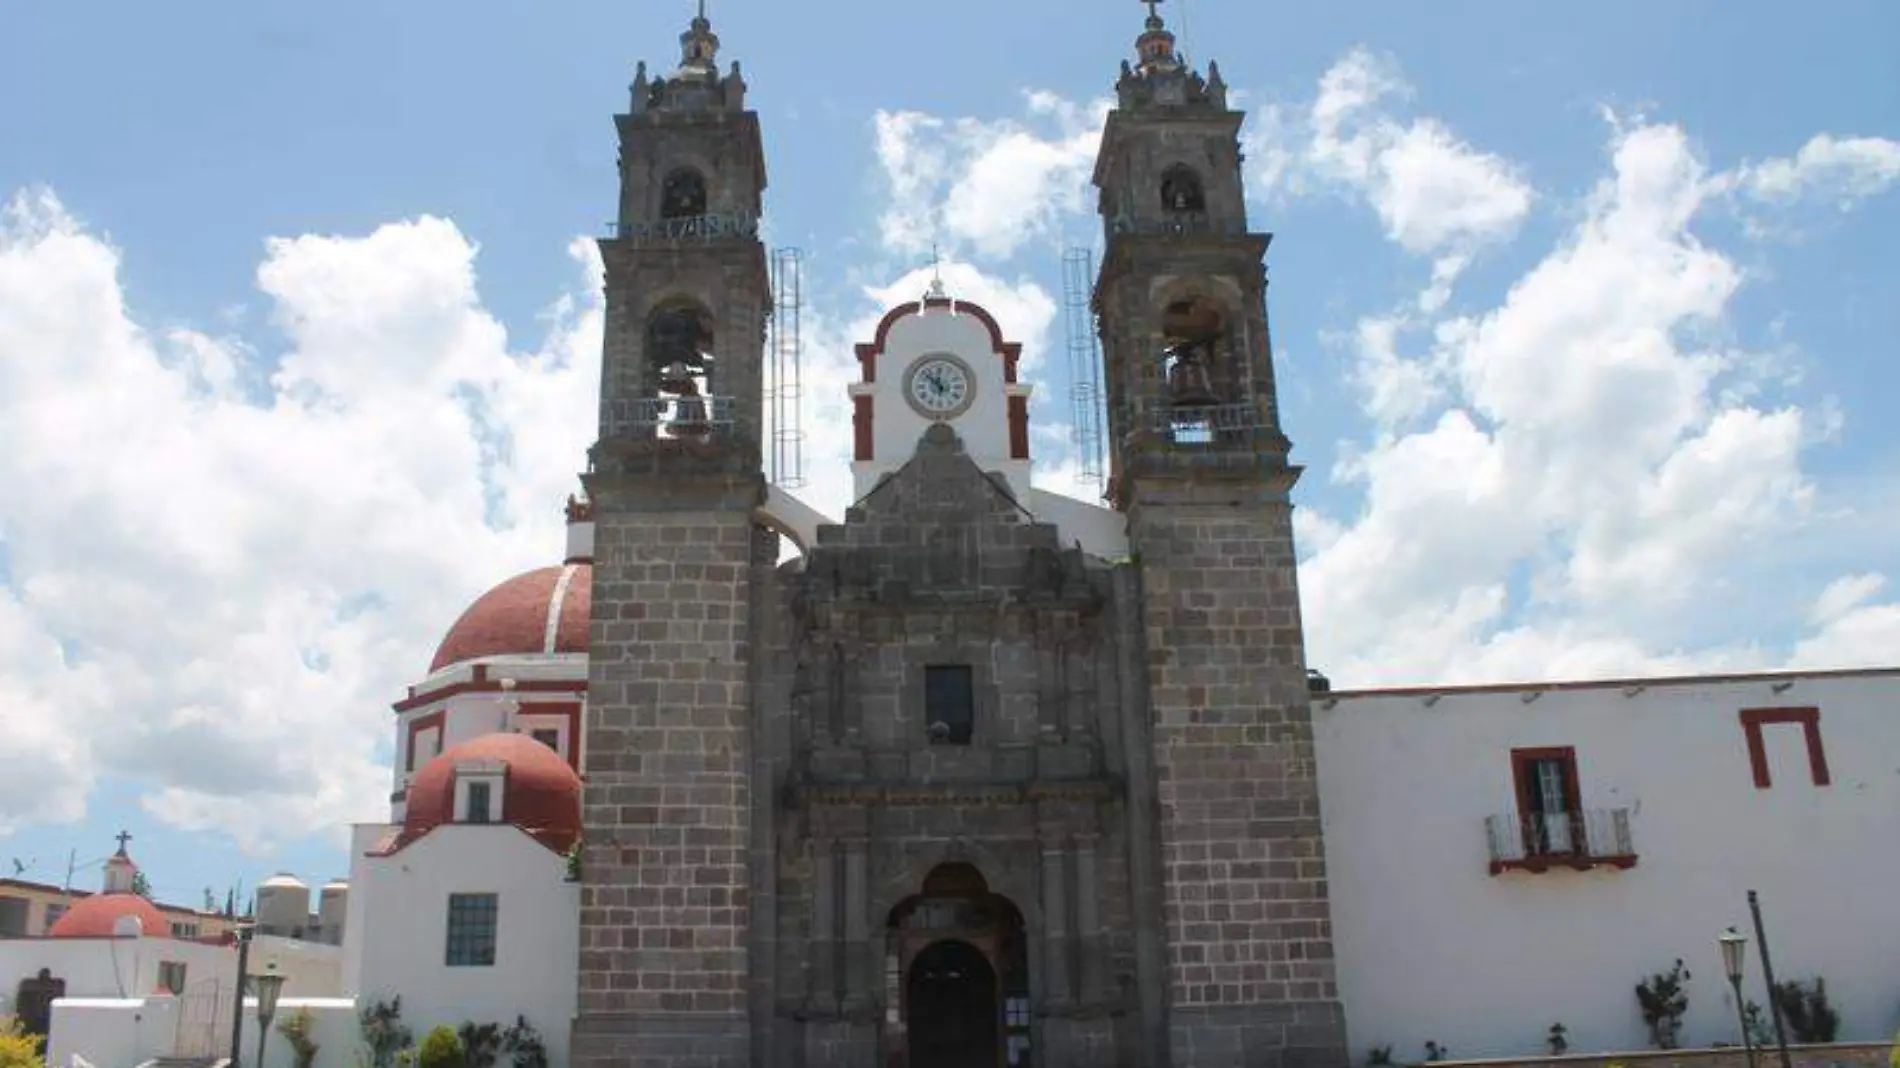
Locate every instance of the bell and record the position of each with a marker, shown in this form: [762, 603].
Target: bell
[689, 414]
[677, 378]
[1188, 383]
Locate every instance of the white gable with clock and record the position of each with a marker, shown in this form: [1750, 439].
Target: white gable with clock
[940, 360]
[943, 360]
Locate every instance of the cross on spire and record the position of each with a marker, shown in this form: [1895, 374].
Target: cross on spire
[937, 291]
[123, 837]
[1154, 8]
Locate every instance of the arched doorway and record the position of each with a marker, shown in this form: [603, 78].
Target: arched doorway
[957, 976]
[951, 997]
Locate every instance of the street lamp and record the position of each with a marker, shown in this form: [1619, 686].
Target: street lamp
[1734, 956]
[244, 931]
[268, 986]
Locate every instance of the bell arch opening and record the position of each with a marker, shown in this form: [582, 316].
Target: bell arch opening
[679, 344]
[956, 976]
[683, 195]
[1182, 192]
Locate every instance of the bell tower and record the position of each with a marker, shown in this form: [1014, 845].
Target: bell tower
[1200, 467]
[673, 480]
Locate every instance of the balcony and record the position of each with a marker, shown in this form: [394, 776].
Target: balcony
[703, 228]
[1580, 840]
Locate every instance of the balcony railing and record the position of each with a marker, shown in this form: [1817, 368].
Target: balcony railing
[1587, 838]
[688, 228]
[1209, 425]
[670, 418]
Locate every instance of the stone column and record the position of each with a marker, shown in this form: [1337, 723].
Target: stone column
[858, 994]
[1055, 926]
[1088, 921]
[823, 992]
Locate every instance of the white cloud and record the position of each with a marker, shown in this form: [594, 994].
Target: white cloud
[1844, 170]
[988, 185]
[221, 579]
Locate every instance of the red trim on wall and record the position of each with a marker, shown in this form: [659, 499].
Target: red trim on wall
[863, 442]
[570, 712]
[1810, 719]
[1010, 351]
[1019, 428]
[482, 684]
[416, 727]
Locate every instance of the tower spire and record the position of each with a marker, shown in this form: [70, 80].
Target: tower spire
[1155, 46]
[699, 46]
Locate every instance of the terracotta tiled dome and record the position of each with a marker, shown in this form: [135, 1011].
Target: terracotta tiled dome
[544, 611]
[541, 795]
[98, 916]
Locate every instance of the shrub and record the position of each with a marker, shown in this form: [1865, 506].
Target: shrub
[1807, 1012]
[296, 1031]
[1664, 1002]
[440, 1049]
[481, 1045]
[17, 1048]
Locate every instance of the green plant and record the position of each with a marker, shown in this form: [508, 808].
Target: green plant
[1556, 1040]
[524, 1043]
[1893, 1056]
[481, 1044]
[17, 1048]
[1806, 1011]
[1434, 1051]
[296, 1030]
[1378, 1055]
[440, 1049]
[574, 862]
[1664, 1002]
[1761, 1032]
[384, 1033]
[141, 885]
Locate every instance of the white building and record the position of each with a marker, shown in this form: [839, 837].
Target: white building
[1503, 858]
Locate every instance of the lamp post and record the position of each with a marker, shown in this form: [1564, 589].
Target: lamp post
[268, 985]
[237, 1018]
[1734, 956]
[1768, 977]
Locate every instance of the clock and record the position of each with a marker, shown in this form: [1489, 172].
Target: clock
[940, 387]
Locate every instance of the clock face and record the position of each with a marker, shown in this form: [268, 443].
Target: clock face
[940, 387]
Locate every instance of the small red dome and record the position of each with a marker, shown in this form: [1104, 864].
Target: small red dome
[514, 618]
[98, 916]
[541, 794]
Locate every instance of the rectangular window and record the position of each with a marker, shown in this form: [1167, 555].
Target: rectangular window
[1808, 719]
[472, 924]
[949, 704]
[478, 795]
[53, 913]
[171, 976]
[1548, 800]
[549, 737]
[13, 912]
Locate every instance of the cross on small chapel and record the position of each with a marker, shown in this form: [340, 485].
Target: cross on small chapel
[1154, 8]
[123, 837]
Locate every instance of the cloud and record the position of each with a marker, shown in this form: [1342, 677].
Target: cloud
[988, 186]
[1436, 195]
[1843, 170]
[224, 563]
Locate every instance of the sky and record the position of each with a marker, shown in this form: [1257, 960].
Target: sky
[1584, 320]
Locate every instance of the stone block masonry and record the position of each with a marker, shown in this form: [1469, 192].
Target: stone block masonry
[667, 807]
[1249, 934]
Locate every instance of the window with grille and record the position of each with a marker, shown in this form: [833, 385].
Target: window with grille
[478, 795]
[549, 737]
[472, 923]
[949, 704]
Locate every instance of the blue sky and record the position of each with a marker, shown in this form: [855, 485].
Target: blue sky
[1638, 425]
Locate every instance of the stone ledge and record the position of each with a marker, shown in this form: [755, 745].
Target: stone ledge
[1816, 1055]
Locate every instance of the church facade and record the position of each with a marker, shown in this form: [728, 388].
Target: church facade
[965, 752]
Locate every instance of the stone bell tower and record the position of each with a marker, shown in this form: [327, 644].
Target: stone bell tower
[673, 480]
[1200, 467]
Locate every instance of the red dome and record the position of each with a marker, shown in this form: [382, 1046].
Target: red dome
[98, 916]
[514, 618]
[541, 793]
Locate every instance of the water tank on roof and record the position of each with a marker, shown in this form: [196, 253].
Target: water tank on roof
[333, 905]
[283, 906]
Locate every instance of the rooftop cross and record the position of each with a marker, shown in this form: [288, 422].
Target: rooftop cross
[123, 837]
[1154, 8]
[936, 272]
